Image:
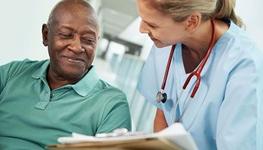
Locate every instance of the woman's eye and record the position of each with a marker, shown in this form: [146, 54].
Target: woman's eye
[152, 26]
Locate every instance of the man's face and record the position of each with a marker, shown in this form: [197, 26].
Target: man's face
[71, 38]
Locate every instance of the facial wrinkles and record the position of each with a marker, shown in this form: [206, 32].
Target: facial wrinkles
[147, 12]
[74, 31]
[68, 66]
[87, 30]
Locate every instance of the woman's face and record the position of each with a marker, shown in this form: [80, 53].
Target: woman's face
[161, 28]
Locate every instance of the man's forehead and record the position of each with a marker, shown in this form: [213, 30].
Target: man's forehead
[75, 23]
[65, 11]
[73, 4]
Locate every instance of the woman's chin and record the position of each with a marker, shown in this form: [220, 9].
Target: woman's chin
[160, 44]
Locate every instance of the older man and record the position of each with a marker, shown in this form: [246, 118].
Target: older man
[43, 100]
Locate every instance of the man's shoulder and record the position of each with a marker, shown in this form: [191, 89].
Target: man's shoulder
[107, 89]
[16, 67]
[24, 63]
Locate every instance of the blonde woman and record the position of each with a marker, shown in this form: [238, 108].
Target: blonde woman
[203, 71]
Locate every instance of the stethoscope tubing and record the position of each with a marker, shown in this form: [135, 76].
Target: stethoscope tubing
[196, 72]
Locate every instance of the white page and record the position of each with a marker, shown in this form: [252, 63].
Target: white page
[174, 133]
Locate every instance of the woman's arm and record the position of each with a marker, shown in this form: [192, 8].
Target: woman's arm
[159, 121]
[239, 116]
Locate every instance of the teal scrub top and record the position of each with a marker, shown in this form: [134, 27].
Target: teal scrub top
[33, 116]
[226, 112]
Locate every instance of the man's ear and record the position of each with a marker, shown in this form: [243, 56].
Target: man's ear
[45, 34]
[193, 21]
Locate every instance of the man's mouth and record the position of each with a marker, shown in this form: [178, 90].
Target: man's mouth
[74, 59]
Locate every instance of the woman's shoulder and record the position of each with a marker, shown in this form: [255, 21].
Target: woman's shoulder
[237, 44]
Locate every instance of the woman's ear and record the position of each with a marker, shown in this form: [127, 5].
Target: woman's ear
[45, 34]
[193, 21]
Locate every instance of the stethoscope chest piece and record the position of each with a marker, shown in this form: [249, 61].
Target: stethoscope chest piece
[161, 96]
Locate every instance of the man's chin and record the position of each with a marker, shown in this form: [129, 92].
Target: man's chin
[73, 77]
[70, 73]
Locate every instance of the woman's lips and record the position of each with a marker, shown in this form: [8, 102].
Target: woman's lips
[153, 39]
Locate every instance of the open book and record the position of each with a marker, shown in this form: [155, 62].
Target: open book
[175, 137]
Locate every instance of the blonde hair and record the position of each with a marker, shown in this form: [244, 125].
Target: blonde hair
[181, 9]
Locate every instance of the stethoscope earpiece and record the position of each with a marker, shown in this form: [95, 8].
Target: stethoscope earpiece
[161, 97]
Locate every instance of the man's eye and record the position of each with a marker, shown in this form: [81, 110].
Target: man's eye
[89, 41]
[65, 35]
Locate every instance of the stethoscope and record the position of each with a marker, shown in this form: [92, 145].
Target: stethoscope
[161, 95]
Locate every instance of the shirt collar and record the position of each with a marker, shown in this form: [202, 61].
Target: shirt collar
[82, 87]
[87, 83]
[42, 71]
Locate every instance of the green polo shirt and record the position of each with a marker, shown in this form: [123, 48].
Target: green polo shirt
[33, 116]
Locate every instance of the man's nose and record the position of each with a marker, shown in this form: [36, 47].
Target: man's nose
[75, 45]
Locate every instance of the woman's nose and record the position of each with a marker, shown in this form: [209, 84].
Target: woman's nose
[143, 28]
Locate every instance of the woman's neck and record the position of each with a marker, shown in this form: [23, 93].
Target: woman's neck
[196, 45]
[198, 41]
